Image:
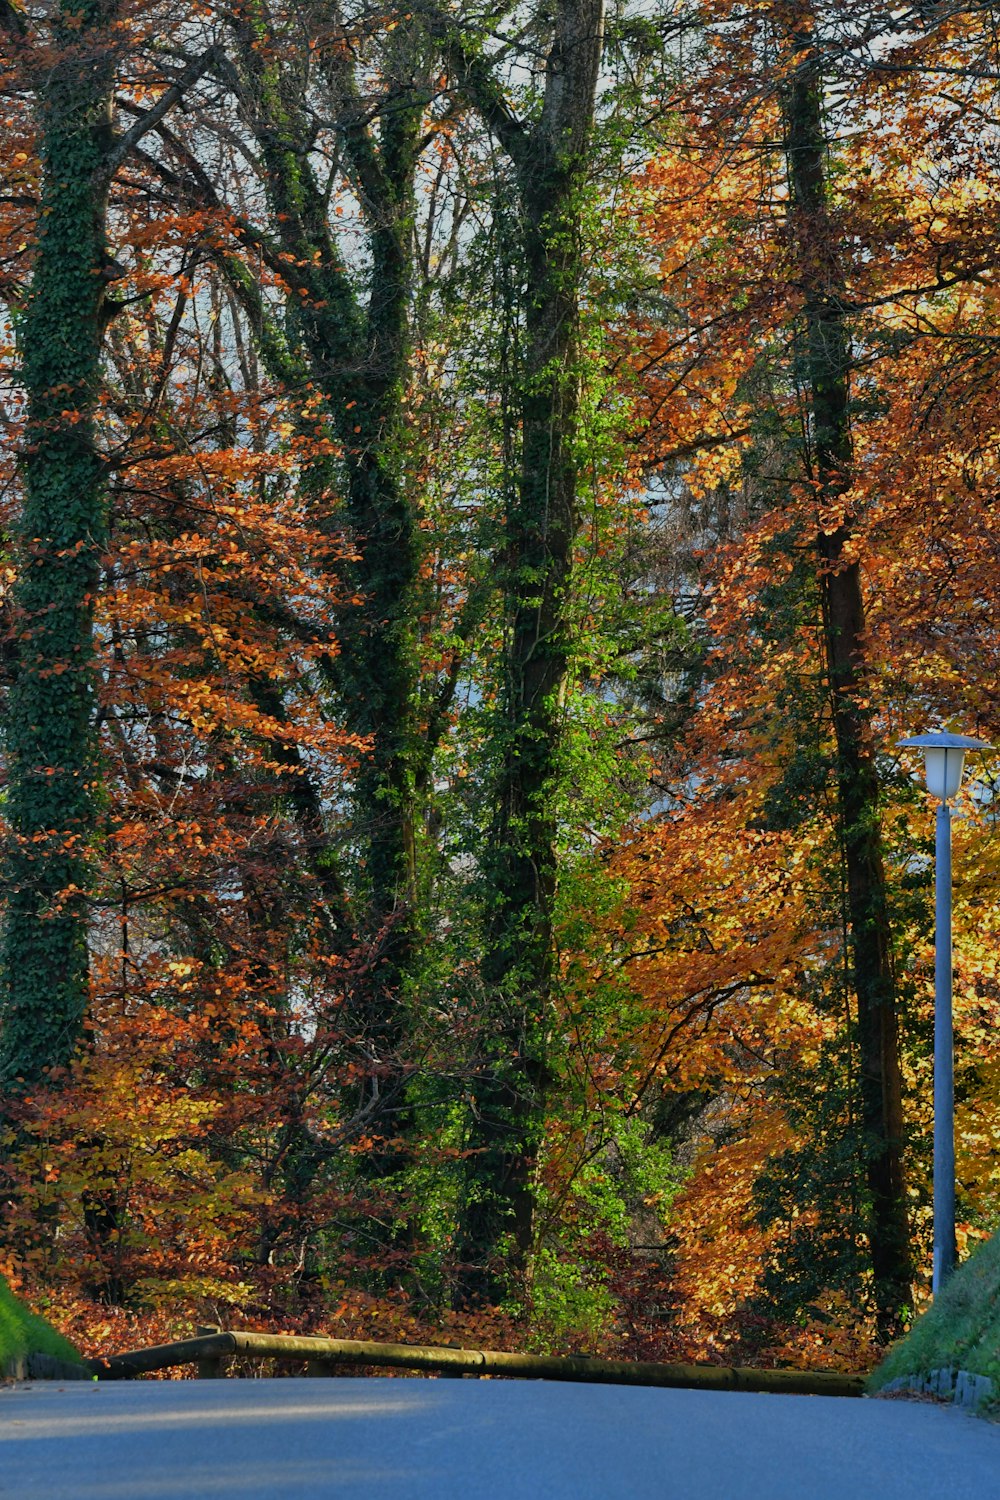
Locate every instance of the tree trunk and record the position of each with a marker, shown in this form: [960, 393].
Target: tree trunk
[827, 365]
[540, 531]
[358, 359]
[50, 736]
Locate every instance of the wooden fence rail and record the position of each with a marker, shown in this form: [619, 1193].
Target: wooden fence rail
[323, 1356]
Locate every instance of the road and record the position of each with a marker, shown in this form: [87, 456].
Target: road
[479, 1440]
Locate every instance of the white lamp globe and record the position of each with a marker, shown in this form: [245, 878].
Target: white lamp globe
[943, 768]
[944, 760]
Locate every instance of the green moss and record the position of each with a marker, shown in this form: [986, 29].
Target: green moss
[23, 1333]
[961, 1330]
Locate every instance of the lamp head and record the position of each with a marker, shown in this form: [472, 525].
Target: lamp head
[944, 760]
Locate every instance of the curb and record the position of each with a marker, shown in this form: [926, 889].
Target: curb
[42, 1367]
[959, 1386]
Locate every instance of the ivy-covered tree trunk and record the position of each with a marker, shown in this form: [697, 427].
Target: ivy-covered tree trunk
[827, 367]
[356, 356]
[380, 661]
[540, 531]
[50, 716]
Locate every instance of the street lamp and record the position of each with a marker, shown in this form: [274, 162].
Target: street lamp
[944, 761]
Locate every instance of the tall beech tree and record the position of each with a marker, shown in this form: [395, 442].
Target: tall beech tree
[826, 370]
[548, 159]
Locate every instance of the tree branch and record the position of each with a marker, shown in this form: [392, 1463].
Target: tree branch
[151, 118]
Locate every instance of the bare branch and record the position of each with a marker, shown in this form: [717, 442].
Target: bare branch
[148, 121]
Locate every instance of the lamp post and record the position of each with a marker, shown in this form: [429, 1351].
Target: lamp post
[944, 762]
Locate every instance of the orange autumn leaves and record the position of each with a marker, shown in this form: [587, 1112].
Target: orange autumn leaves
[735, 923]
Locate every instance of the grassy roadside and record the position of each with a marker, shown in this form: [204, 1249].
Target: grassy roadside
[961, 1329]
[23, 1334]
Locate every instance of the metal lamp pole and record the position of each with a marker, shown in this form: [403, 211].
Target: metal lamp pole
[944, 760]
[945, 1250]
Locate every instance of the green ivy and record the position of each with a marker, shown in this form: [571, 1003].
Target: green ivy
[50, 723]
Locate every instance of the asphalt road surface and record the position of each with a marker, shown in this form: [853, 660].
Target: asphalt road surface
[479, 1439]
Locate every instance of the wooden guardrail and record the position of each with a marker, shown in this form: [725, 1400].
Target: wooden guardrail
[323, 1356]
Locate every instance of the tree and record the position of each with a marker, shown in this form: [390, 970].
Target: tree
[51, 794]
[548, 162]
[52, 804]
[826, 366]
